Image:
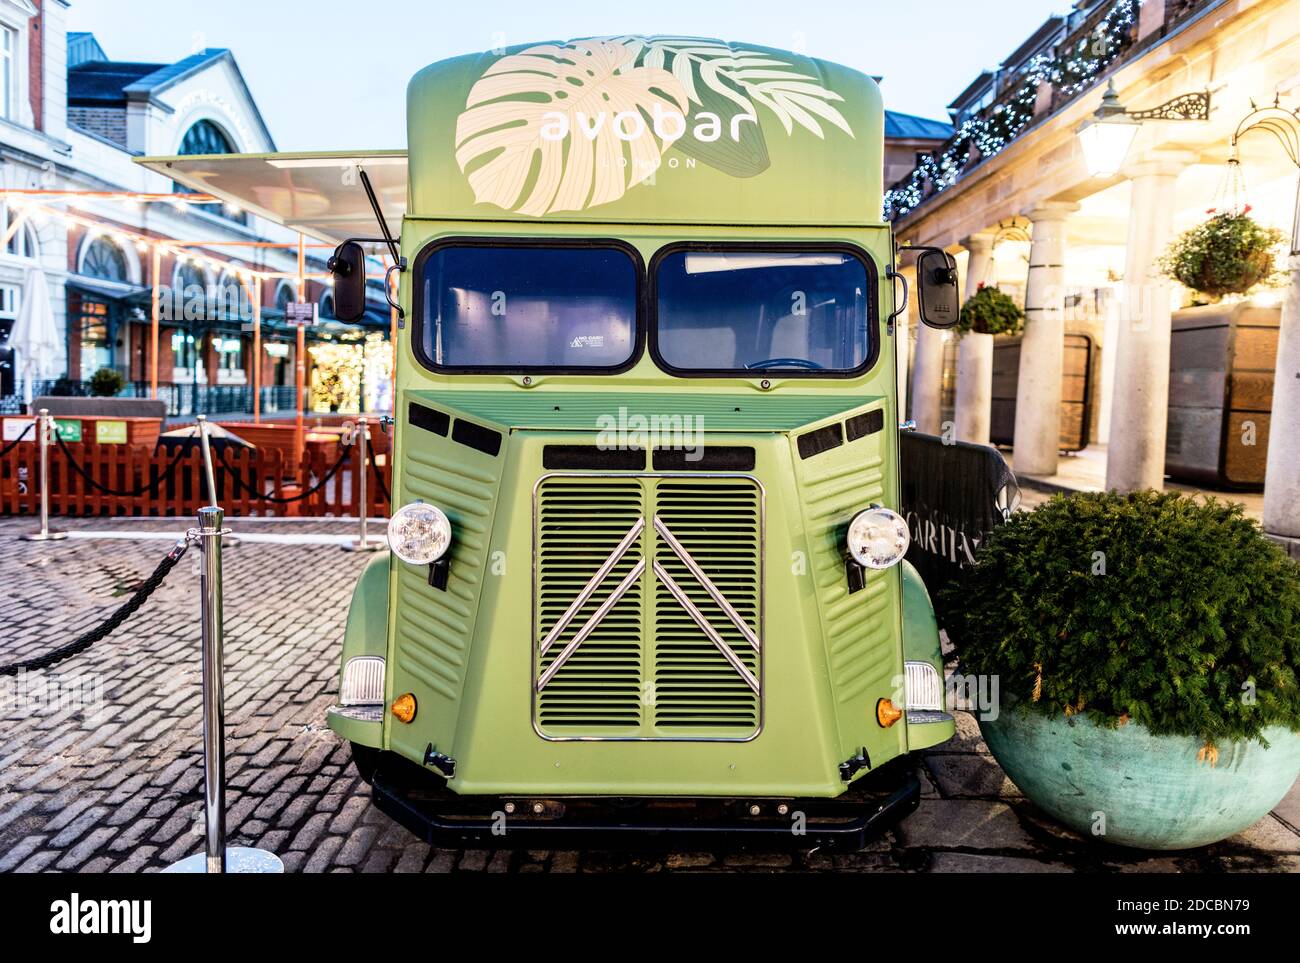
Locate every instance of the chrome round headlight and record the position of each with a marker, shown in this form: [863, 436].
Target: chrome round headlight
[419, 533]
[878, 538]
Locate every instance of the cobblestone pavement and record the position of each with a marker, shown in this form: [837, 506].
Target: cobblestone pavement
[117, 786]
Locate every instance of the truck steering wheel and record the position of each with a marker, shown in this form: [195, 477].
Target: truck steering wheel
[803, 363]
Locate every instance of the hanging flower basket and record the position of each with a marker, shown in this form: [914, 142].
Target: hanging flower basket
[1228, 254]
[989, 311]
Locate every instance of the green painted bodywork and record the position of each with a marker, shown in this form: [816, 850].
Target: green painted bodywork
[828, 656]
[366, 634]
[921, 644]
[826, 176]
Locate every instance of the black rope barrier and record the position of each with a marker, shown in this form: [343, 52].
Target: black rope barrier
[123, 612]
[240, 484]
[14, 444]
[379, 477]
[150, 487]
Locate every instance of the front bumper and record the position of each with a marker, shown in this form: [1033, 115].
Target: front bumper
[846, 823]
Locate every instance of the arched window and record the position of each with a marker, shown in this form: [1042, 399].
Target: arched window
[283, 296]
[232, 298]
[327, 306]
[189, 276]
[205, 137]
[104, 259]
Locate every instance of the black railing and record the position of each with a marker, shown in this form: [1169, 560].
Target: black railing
[181, 399]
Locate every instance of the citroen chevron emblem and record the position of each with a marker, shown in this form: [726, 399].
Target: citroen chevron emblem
[679, 594]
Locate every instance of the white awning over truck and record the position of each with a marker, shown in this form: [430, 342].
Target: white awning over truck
[317, 193]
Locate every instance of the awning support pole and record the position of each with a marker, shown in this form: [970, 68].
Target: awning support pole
[257, 351]
[155, 271]
[301, 357]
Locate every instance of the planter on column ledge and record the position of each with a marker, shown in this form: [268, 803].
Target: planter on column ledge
[1147, 648]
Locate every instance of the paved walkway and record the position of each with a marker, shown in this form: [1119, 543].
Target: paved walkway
[1085, 471]
[115, 784]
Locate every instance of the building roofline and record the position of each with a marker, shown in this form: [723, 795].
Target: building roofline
[1049, 27]
[147, 88]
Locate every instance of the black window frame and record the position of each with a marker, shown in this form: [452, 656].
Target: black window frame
[775, 247]
[419, 320]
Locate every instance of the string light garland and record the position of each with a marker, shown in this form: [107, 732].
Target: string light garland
[1068, 70]
[23, 204]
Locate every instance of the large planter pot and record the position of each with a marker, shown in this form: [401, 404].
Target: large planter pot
[1153, 791]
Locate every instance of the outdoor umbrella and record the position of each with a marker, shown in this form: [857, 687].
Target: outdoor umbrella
[224, 444]
[39, 350]
[216, 435]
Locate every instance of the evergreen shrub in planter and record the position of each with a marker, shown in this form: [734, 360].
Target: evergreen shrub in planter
[1147, 646]
[106, 382]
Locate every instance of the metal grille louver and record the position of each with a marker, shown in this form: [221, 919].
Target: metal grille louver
[580, 524]
[718, 528]
[657, 579]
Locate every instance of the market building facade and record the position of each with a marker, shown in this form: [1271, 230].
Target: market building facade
[73, 121]
[1117, 360]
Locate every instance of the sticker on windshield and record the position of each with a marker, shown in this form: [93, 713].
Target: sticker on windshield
[587, 341]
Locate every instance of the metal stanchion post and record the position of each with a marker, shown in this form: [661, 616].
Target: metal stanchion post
[217, 857]
[44, 435]
[208, 475]
[361, 437]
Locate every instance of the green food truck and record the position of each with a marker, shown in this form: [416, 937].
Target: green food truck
[646, 576]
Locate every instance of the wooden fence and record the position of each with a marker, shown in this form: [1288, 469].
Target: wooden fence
[150, 482]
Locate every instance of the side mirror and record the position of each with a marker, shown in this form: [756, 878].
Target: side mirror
[938, 301]
[348, 265]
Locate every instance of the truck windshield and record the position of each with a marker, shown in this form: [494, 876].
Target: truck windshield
[528, 306]
[746, 309]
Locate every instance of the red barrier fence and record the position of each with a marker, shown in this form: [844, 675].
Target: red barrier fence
[105, 480]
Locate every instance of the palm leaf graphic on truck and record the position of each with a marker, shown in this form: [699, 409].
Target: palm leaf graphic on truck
[601, 113]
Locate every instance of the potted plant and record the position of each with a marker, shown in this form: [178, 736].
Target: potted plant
[106, 382]
[986, 312]
[1147, 648]
[1228, 254]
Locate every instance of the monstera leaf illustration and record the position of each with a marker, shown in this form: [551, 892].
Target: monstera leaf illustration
[729, 81]
[504, 127]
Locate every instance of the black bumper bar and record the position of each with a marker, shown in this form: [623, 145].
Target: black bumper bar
[843, 824]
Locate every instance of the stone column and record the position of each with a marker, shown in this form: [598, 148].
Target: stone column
[1042, 349]
[902, 350]
[1282, 476]
[927, 371]
[1140, 396]
[974, 399]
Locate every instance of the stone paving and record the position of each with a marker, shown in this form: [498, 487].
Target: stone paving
[105, 774]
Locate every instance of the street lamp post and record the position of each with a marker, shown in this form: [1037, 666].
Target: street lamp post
[1108, 134]
[1282, 472]
[1136, 455]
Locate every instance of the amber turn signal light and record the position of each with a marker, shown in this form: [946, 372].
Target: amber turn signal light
[886, 713]
[404, 707]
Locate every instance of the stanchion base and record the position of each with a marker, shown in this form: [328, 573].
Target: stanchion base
[366, 546]
[43, 537]
[239, 859]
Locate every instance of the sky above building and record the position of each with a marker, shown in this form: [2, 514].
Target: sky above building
[332, 74]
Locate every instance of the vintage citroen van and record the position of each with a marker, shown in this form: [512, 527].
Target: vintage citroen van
[646, 573]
